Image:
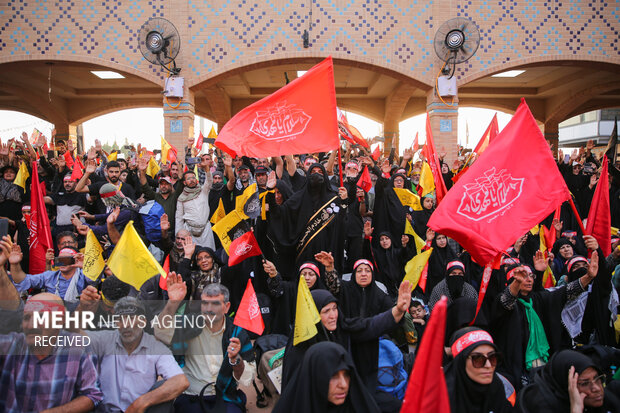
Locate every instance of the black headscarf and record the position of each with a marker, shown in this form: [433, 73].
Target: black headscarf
[308, 389]
[468, 396]
[390, 263]
[358, 301]
[440, 257]
[420, 218]
[389, 214]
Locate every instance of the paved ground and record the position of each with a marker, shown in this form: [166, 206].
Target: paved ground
[251, 394]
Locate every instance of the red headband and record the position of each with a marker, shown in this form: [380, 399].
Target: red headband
[468, 339]
[362, 261]
[43, 305]
[569, 234]
[509, 260]
[108, 194]
[511, 273]
[69, 251]
[352, 165]
[455, 264]
[574, 260]
[310, 266]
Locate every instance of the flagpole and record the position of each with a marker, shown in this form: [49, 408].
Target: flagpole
[340, 165]
[572, 205]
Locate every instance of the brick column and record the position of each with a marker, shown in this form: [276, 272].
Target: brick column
[179, 119]
[65, 131]
[444, 125]
[391, 134]
[552, 135]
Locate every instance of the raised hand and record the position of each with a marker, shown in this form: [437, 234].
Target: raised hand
[16, 256]
[430, 234]
[386, 167]
[70, 146]
[403, 301]
[89, 299]
[558, 225]
[590, 145]
[404, 240]
[575, 396]
[4, 149]
[540, 262]
[24, 137]
[49, 255]
[326, 259]
[593, 267]
[408, 154]
[343, 193]
[98, 145]
[228, 161]
[270, 268]
[164, 223]
[113, 216]
[143, 163]
[91, 166]
[176, 287]
[271, 180]
[189, 246]
[368, 229]
[591, 242]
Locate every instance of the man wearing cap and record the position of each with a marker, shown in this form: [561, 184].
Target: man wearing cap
[166, 196]
[453, 286]
[260, 173]
[67, 282]
[130, 361]
[68, 203]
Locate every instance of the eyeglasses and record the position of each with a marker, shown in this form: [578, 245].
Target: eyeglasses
[587, 384]
[480, 360]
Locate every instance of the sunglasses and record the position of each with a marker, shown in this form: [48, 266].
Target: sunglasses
[480, 360]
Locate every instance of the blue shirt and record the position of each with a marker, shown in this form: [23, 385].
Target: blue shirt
[53, 282]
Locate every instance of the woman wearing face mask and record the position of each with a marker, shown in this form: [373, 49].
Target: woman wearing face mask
[312, 219]
[327, 381]
[570, 382]
[453, 286]
[472, 382]
[440, 257]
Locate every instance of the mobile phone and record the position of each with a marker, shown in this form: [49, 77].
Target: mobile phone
[19, 152]
[64, 261]
[51, 154]
[566, 158]
[4, 227]
[192, 161]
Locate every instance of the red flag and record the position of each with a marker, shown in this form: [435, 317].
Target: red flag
[550, 234]
[200, 141]
[77, 173]
[298, 118]
[423, 278]
[68, 159]
[427, 391]
[503, 196]
[349, 132]
[40, 231]
[599, 218]
[433, 162]
[459, 174]
[365, 182]
[416, 144]
[163, 281]
[248, 314]
[488, 136]
[243, 247]
[376, 153]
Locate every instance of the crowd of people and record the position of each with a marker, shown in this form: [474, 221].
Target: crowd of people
[528, 349]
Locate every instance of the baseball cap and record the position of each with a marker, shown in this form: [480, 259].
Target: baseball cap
[261, 170]
[165, 178]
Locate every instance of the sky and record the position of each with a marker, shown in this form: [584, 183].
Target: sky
[145, 126]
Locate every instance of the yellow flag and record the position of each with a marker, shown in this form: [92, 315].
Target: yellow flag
[413, 269]
[152, 168]
[227, 227]
[241, 202]
[212, 135]
[541, 235]
[408, 198]
[112, 156]
[131, 261]
[263, 201]
[306, 315]
[165, 147]
[614, 231]
[426, 179]
[535, 230]
[219, 213]
[93, 258]
[419, 242]
[22, 175]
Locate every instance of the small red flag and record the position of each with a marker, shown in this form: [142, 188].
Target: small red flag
[487, 136]
[376, 153]
[248, 314]
[77, 173]
[299, 118]
[427, 390]
[349, 132]
[503, 196]
[243, 247]
[40, 231]
[68, 159]
[599, 218]
[200, 141]
[433, 162]
[163, 281]
[365, 182]
[551, 234]
[416, 144]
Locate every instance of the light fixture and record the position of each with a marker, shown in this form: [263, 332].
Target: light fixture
[107, 74]
[300, 73]
[510, 73]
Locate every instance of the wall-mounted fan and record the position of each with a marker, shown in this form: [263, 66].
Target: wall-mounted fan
[455, 42]
[160, 43]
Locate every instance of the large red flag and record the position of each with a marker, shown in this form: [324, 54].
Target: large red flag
[599, 218]
[427, 391]
[433, 162]
[513, 186]
[248, 314]
[365, 182]
[298, 118]
[40, 231]
[488, 136]
[243, 247]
